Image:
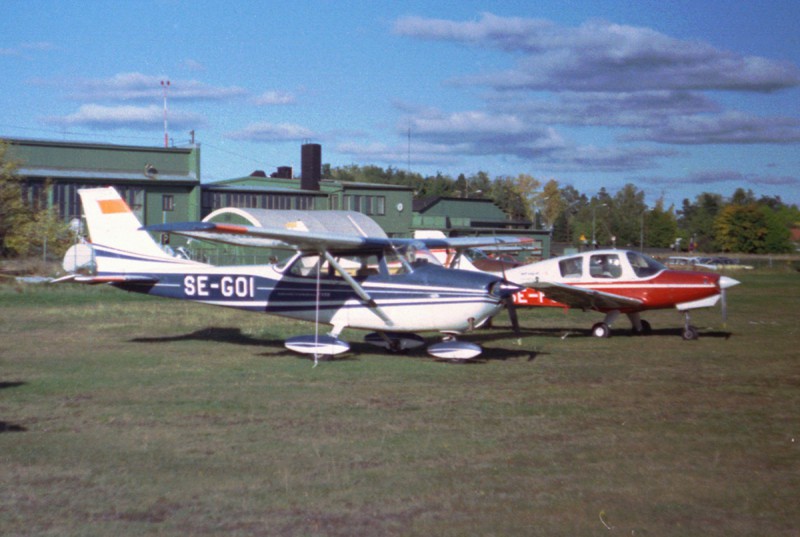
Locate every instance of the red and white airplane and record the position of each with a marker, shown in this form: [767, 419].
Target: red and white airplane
[615, 282]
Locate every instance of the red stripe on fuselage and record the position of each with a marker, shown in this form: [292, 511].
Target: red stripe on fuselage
[665, 290]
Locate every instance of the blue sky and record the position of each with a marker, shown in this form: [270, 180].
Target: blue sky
[676, 97]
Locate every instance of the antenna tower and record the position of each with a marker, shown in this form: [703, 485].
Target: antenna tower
[165, 86]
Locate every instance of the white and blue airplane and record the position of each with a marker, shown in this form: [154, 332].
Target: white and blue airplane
[393, 287]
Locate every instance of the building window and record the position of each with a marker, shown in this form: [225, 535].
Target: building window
[305, 203]
[371, 205]
[379, 206]
[167, 202]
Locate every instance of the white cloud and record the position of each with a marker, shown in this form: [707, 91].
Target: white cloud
[271, 132]
[601, 56]
[484, 133]
[194, 65]
[125, 117]
[421, 153]
[709, 177]
[727, 128]
[24, 49]
[648, 86]
[138, 86]
[269, 98]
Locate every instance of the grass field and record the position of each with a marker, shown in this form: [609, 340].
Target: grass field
[125, 415]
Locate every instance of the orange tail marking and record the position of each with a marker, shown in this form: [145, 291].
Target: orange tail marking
[113, 206]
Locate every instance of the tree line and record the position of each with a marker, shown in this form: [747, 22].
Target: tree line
[743, 223]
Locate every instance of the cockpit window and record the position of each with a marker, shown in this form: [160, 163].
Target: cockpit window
[309, 266]
[605, 266]
[643, 265]
[360, 266]
[413, 254]
[571, 268]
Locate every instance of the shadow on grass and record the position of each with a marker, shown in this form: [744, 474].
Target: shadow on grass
[484, 337]
[506, 332]
[6, 427]
[235, 336]
[224, 335]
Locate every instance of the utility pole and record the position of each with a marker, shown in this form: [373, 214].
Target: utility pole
[594, 209]
[165, 86]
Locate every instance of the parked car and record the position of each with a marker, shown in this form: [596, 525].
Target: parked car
[681, 262]
[705, 263]
[726, 263]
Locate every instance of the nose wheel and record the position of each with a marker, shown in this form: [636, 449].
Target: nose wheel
[689, 332]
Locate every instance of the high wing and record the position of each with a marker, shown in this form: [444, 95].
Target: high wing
[303, 239]
[578, 297]
[461, 243]
[291, 239]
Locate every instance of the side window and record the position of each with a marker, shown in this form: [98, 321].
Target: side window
[360, 266]
[571, 268]
[308, 266]
[605, 266]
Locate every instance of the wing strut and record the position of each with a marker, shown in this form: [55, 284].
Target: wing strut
[358, 289]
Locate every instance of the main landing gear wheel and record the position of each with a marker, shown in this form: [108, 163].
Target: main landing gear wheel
[601, 330]
[689, 333]
[645, 329]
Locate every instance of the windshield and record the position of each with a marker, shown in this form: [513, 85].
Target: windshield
[643, 265]
[413, 254]
[475, 254]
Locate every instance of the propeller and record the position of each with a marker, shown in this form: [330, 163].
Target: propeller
[512, 314]
[510, 306]
[724, 283]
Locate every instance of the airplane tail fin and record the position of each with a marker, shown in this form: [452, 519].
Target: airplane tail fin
[119, 244]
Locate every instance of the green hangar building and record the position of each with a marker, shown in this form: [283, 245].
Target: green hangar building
[160, 184]
[163, 185]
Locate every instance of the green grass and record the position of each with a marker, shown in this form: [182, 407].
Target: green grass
[127, 415]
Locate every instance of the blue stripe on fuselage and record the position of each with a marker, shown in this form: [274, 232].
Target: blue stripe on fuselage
[259, 293]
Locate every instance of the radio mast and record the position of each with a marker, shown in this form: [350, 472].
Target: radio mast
[165, 86]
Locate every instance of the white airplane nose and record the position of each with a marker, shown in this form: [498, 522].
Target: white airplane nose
[727, 281]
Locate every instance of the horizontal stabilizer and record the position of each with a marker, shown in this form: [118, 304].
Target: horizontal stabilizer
[115, 279]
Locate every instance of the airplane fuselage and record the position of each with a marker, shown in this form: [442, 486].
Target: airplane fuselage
[617, 272]
[430, 298]
[663, 290]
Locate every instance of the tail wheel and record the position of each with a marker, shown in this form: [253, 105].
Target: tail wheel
[601, 330]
